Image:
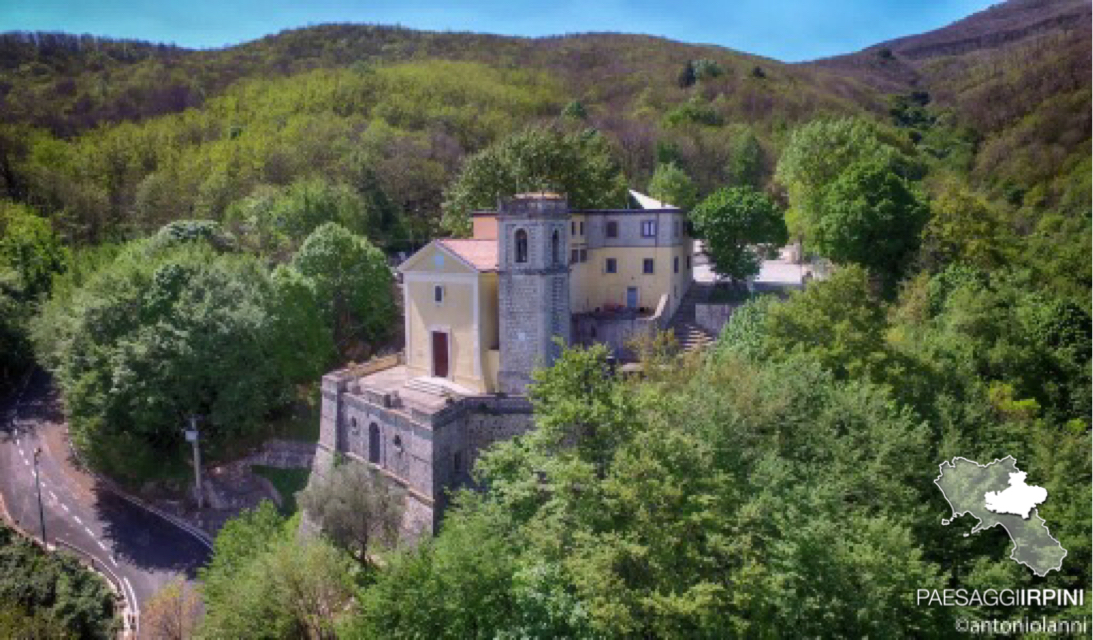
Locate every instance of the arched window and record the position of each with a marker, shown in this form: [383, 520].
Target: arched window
[374, 443]
[521, 245]
[555, 249]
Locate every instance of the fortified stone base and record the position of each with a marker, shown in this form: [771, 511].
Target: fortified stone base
[423, 434]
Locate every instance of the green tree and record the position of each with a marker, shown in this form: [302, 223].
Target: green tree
[817, 154]
[351, 280]
[964, 228]
[575, 111]
[263, 583]
[578, 165]
[745, 164]
[155, 336]
[839, 323]
[671, 184]
[869, 216]
[30, 249]
[738, 225]
[455, 586]
[360, 510]
[46, 595]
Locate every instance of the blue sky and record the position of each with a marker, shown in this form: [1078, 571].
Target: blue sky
[789, 30]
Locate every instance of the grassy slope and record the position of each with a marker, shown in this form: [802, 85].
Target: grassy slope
[1016, 73]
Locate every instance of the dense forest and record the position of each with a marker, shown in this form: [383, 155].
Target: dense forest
[170, 217]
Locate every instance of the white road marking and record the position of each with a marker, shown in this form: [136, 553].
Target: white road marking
[133, 595]
[52, 495]
[89, 532]
[77, 519]
[25, 462]
[101, 545]
[65, 507]
[113, 561]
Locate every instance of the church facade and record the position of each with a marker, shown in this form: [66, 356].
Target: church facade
[481, 314]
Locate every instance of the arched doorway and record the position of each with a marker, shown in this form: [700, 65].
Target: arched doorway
[374, 443]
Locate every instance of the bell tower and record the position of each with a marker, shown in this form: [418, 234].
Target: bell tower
[533, 296]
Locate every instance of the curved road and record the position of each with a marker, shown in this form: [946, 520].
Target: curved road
[143, 549]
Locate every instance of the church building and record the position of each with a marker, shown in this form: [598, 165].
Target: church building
[481, 314]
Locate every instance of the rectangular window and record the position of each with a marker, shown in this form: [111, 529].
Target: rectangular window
[675, 264]
[678, 226]
[572, 228]
[612, 229]
[688, 262]
[438, 293]
[647, 265]
[648, 228]
[574, 256]
[582, 227]
[584, 255]
[610, 266]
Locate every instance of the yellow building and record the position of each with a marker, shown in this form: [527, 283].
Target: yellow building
[481, 313]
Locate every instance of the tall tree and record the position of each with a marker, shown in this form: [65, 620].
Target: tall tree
[578, 165]
[351, 280]
[739, 225]
[671, 184]
[359, 510]
[869, 216]
[817, 154]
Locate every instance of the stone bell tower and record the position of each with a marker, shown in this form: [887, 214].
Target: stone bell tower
[533, 296]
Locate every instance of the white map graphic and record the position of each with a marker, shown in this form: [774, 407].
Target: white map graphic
[996, 495]
[1019, 499]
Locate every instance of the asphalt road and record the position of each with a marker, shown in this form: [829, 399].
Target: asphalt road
[143, 549]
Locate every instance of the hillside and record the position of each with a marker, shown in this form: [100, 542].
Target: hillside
[177, 132]
[1017, 73]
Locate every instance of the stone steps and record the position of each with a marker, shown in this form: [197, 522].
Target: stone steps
[433, 387]
[688, 333]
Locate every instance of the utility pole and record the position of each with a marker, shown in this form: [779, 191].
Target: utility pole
[38, 484]
[193, 436]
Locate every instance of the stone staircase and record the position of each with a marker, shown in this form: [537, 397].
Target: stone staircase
[689, 335]
[435, 387]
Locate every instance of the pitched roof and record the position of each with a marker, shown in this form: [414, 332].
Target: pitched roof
[645, 202]
[481, 254]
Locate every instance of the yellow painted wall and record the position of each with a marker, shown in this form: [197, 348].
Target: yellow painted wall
[455, 314]
[592, 287]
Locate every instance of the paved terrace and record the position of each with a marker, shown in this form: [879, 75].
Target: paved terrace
[423, 393]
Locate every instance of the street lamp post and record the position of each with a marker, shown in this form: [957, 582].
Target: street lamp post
[193, 436]
[38, 485]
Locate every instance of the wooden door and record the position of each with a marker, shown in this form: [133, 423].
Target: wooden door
[440, 354]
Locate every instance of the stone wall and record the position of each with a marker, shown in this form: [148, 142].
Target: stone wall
[428, 453]
[713, 317]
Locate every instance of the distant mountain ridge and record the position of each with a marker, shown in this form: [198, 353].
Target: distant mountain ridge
[1009, 85]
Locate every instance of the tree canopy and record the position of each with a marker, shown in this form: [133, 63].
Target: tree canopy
[173, 327]
[671, 184]
[739, 225]
[869, 216]
[579, 165]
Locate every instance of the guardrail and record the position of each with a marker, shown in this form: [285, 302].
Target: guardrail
[131, 614]
[201, 536]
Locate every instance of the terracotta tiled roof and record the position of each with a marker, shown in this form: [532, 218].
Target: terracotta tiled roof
[482, 254]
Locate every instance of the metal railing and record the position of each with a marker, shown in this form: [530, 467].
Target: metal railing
[121, 586]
